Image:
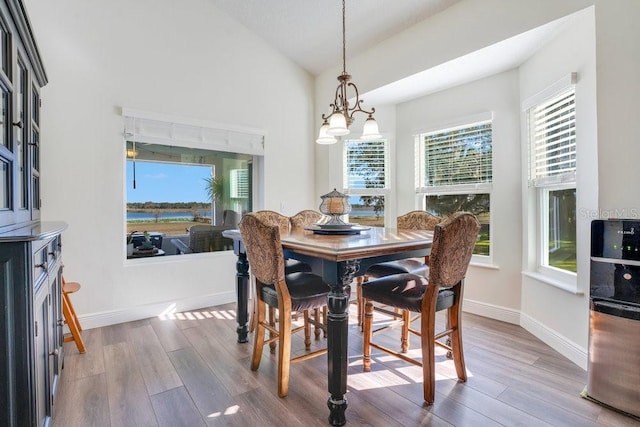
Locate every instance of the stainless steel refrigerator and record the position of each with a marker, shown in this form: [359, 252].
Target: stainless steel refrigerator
[614, 318]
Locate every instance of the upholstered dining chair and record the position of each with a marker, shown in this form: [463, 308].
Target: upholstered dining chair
[283, 223]
[453, 243]
[304, 218]
[295, 292]
[290, 265]
[298, 222]
[414, 220]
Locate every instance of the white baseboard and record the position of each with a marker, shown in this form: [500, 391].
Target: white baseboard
[553, 339]
[106, 318]
[491, 311]
[560, 343]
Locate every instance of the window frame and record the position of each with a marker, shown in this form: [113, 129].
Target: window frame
[156, 128]
[384, 191]
[542, 233]
[537, 193]
[422, 190]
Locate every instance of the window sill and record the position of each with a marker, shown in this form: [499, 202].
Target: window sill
[567, 287]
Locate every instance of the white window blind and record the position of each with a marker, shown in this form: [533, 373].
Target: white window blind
[239, 183]
[365, 164]
[552, 127]
[460, 155]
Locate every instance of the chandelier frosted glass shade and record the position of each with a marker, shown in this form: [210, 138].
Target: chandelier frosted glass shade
[324, 137]
[338, 125]
[370, 129]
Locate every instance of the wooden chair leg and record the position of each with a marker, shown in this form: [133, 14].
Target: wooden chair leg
[307, 331]
[368, 321]
[406, 323]
[284, 351]
[258, 335]
[359, 303]
[325, 312]
[72, 323]
[272, 323]
[454, 317]
[317, 328]
[427, 338]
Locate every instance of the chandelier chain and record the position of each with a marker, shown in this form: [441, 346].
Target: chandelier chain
[344, 38]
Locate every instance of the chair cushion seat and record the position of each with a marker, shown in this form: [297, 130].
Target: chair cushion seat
[295, 266]
[411, 265]
[307, 291]
[404, 291]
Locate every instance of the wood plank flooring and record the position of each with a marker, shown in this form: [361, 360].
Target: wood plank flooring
[186, 369]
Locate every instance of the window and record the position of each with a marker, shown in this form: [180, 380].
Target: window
[455, 173]
[552, 180]
[184, 186]
[366, 180]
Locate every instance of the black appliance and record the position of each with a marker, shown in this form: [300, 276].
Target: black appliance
[614, 317]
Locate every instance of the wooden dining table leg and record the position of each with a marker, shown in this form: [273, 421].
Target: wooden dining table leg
[338, 276]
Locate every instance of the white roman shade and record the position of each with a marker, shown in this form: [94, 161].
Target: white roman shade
[156, 128]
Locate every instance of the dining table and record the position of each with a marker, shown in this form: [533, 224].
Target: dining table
[338, 258]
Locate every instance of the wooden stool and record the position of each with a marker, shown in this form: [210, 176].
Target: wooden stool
[70, 314]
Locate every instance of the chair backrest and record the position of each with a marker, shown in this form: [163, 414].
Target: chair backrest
[453, 243]
[304, 218]
[264, 250]
[274, 218]
[207, 238]
[230, 218]
[417, 220]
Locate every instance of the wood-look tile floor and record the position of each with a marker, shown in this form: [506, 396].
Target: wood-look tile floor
[186, 369]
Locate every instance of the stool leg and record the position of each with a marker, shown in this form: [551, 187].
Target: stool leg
[72, 323]
[72, 310]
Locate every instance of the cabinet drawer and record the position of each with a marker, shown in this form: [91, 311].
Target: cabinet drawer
[54, 252]
[40, 264]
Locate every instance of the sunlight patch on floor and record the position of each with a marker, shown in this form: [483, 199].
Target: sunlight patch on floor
[231, 410]
[170, 314]
[376, 379]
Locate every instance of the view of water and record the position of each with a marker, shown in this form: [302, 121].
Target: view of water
[148, 216]
[187, 215]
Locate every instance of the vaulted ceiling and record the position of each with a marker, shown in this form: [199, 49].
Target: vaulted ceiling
[310, 31]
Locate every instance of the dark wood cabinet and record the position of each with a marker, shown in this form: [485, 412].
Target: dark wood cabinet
[31, 320]
[22, 75]
[31, 352]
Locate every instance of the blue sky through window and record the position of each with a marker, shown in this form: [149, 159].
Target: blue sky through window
[167, 182]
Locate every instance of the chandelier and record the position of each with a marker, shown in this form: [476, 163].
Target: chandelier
[338, 121]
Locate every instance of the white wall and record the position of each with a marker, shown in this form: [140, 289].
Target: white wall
[166, 57]
[495, 289]
[552, 313]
